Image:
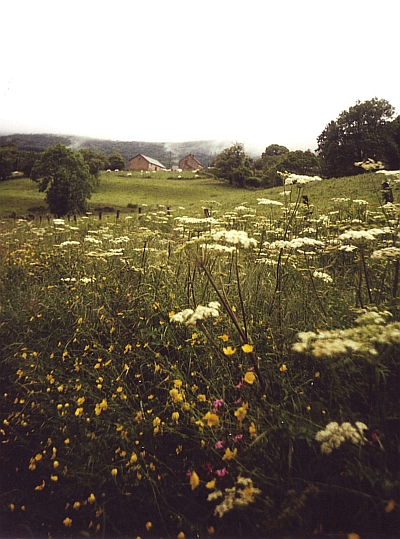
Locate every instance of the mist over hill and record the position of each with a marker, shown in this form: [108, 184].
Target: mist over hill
[168, 153]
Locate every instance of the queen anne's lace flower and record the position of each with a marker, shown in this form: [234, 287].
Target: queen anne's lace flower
[334, 435]
[190, 317]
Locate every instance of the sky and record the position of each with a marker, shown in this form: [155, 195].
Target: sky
[258, 72]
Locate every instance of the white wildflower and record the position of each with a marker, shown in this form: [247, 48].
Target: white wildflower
[323, 276]
[334, 435]
[235, 237]
[269, 202]
[190, 317]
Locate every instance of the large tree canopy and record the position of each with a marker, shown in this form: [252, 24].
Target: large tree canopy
[233, 165]
[297, 162]
[364, 131]
[65, 178]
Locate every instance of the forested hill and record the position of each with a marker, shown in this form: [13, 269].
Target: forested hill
[168, 153]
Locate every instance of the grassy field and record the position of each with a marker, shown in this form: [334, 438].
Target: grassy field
[172, 375]
[117, 190]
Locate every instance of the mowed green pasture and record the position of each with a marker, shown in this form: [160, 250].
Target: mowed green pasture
[117, 190]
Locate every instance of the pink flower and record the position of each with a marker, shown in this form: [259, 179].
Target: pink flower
[217, 404]
[240, 383]
[188, 473]
[219, 444]
[222, 472]
[238, 437]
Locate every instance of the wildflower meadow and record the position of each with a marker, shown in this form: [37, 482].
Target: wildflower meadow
[168, 374]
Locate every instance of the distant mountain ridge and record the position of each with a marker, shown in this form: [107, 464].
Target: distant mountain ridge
[168, 153]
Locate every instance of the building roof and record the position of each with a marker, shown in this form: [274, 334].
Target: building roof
[149, 159]
[193, 157]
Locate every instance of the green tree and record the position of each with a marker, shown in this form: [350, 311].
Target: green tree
[233, 165]
[8, 159]
[26, 161]
[96, 161]
[361, 132]
[116, 161]
[65, 178]
[297, 162]
[271, 156]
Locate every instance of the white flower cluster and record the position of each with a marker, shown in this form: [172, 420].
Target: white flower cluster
[363, 235]
[323, 276]
[388, 253]
[218, 248]
[296, 243]
[268, 202]
[334, 435]
[190, 317]
[301, 179]
[69, 242]
[235, 237]
[238, 496]
[389, 172]
[363, 340]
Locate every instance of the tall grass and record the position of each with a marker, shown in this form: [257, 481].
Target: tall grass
[166, 373]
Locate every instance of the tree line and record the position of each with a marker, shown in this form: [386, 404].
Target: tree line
[368, 130]
[13, 159]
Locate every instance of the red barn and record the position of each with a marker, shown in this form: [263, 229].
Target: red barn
[142, 162]
[190, 163]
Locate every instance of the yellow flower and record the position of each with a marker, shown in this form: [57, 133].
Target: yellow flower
[201, 398]
[156, 422]
[76, 505]
[149, 525]
[229, 455]
[229, 351]
[133, 458]
[100, 407]
[241, 412]
[67, 522]
[194, 480]
[211, 418]
[114, 472]
[91, 498]
[224, 337]
[78, 412]
[252, 430]
[391, 504]
[177, 384]
[180, 535]
[249, 377]
[175, 395]
[211, 484]
[80, 401]
[247, 348]
[283, 368]
[54, 478]
[175, 416]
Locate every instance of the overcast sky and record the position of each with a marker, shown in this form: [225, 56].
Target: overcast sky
[254, 71]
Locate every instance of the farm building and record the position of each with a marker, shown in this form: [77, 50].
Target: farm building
[141, 162]
[190, 163]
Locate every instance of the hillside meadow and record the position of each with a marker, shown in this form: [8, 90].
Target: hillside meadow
[20, 196]
[168, 374]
